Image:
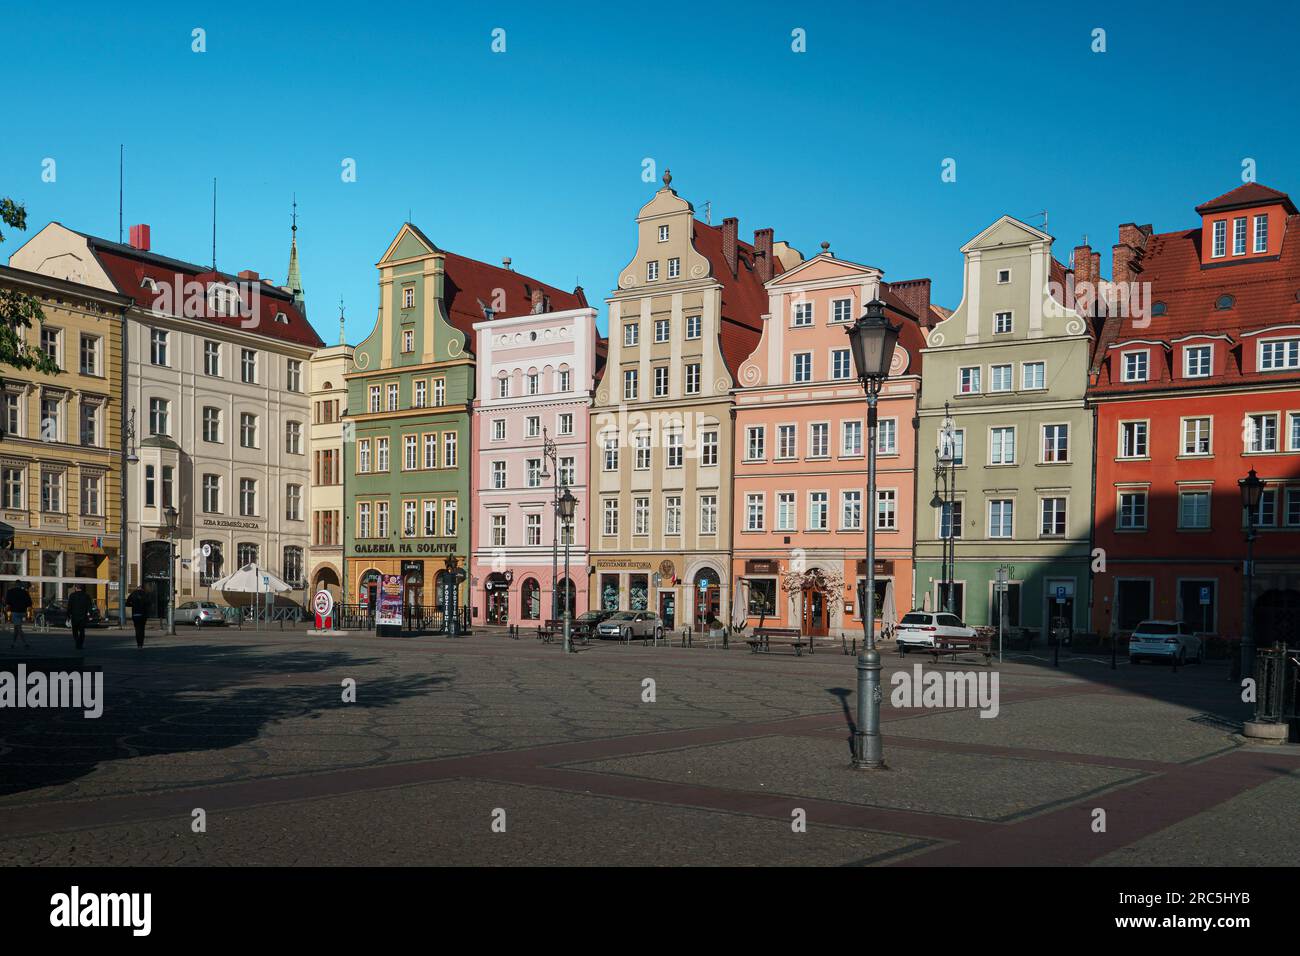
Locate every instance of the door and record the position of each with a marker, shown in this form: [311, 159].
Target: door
[668, 609]
[498, 601]
[814, 612]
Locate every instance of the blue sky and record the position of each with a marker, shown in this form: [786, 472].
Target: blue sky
[537, 153]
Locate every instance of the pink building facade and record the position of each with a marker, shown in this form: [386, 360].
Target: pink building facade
[799, 507]
[535, 378]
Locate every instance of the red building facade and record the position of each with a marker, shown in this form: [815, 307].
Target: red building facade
[1195, 386]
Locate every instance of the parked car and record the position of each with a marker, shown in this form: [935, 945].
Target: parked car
[630, 625]
[1164, 641]
[55, 614]
[199, 613]
[585, 624]
[919, 629]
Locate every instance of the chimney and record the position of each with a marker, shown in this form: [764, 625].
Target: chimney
[537, 301]
[140, 237]
[915, 294]
[1127, 253]
[505, 263]
[581, 295]
[730, 226]
[248, 275]
[763, 254]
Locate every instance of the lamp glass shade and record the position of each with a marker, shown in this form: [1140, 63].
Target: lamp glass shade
[566, 505]
[872, 340]
[170, 516]
[1251, 490]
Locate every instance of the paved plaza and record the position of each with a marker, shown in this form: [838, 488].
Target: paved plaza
[488, 750]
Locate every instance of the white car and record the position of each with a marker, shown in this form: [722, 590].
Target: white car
[919, 629]
[1164, 641]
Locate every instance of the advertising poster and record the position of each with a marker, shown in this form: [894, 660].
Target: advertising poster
[388, 606]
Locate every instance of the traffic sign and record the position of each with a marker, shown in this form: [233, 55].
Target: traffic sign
[1205, 595]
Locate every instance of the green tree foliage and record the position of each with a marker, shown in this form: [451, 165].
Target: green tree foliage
[19, 311]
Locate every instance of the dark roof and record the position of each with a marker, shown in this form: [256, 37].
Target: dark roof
[911, 337]
[469, 281]
[128, 267]
[744, 299]
[1250, 194]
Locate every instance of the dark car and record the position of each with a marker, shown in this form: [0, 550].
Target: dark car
[585, 624]
[55, 614]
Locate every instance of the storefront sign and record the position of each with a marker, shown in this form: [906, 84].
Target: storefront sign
[883, 567]
[625, 565]
[761, 566]
[413, 571]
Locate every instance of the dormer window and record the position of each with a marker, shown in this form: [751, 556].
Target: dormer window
[1135, 367]
[1220, 245]
[1277, 355]
[1261, 233]
[1224, 302]
[149, 283]
[1197, 361]
[281, 318]
[1159, 308]
[1239, 236]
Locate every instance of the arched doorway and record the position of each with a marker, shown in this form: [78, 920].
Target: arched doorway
[530, 600]
[497, 602]
[708, 598]
[815, 619]
[568, 597]
[1277, 616]
[326, 579]
[368, 590]
[156, 557]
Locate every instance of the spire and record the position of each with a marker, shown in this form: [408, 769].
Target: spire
[343, 338]
[294, 282]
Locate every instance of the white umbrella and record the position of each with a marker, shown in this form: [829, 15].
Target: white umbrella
[250, 579]
[925, 602]
[888, 610]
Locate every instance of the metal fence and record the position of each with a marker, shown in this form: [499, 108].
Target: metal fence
[416, 618]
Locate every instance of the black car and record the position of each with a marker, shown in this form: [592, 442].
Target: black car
[584, 625]
[55, 614]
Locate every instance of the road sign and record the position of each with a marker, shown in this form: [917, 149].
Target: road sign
[1205, 595]
[207, 550]
[323, 605]
[1060, 594]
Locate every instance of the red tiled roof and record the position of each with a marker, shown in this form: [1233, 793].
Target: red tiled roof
[1264, 291]
[744, 300]
[911, 337]
[468, 281]
[1250, 194]
[128, 267]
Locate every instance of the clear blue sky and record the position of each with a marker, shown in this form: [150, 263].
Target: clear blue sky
[536, 153]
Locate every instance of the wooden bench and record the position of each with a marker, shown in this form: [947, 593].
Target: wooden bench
[761, 642]
[550, 631]
[952, 646]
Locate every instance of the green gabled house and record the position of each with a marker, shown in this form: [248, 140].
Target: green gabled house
[407, 449]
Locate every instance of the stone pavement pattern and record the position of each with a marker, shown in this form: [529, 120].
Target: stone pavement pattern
[252, 728]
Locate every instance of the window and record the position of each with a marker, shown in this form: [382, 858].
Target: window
[803, 366]
[673, 514]
[1278, 354]
[1196, 436]
[150, 487]
[1132, 510]
[1053, 518]
[408, 297]
[818, 511]
[1135, 367]
[533, 426]
[754, 512]
[1239, 236]
[498, 475]
[693, 378]
[674, 267]
[1032, 375]
[970, 380]
[785, 441]
[1293, 431]
[381, 454]
[1132, 439]
[211, 424]
[168, 485]
[392, 396]
[629, 384]
[1002, 446]
[498, 528]
[11, 488]
[430, 508]
[247, 430]
[1261, 433]
[50, 344]
[1000, 518]
[449, 449]
[1000, 378]
[92, 499]
[211, 358]
[363, 519]
[661, 381]
[1293, 506]
[692, 326]
[1004, 276]
[640, 515]
[408, 340]
[662, 327]
[533, 472]
[533, 530]
[958, 449]
[439, 392]
[1261, 233]
[841, 310]
[802, 314]
[363, 456]
[503, 387]
[293, 502]
[785, 511]
[292, 566]
[851, 510]
[708, 514]
[709, 448]
[1220, 239]
[566, 423]
[248, 366]
[411, 452]
[641, 445]
[532, 383]
[293, 438]
[374, 398]
[499, 429]
[663, 233]
[611, 454]
[1194, 509]
[851, 439]
[610, 523]
[1267, 516]
[247, 497]
[1001, 323]
[89, 354]
[819, 440]
[886, 436]
[212, 494]
[89, 424]
[11, 418]
[160, 412]
[1196, 361]
[566, 380]
[841, 364]
[158, 346]
[421, 392]
[1056, 443]
[950, 519]
[246, 553]
[652, 270]
[293, 376]
[887, 510]
[381, 519]
[754, 443]
[673, 449]
[631, 333]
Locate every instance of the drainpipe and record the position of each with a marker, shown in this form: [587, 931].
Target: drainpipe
[123, 484]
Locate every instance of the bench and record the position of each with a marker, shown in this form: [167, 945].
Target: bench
[952, 646]
[761, 642]
[550, 631]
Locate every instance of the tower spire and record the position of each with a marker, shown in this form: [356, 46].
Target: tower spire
[343, 338]
[294, 282]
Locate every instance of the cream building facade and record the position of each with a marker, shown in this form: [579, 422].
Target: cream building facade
[328, 391]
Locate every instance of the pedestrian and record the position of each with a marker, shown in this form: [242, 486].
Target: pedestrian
[18, 601]
[79, 605]
[138, 602]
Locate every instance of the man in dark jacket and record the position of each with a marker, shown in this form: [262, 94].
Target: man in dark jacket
[18, 601]
[139, 603]
[79, 605]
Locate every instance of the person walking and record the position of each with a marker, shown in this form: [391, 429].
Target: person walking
[138, 602]
[79, 605]
[18, 601]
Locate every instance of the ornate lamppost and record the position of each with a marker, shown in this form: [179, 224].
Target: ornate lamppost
[872, 339]
[173, 520]
[945, 478]
[564, 508]
[550, 451]
[1252, 489]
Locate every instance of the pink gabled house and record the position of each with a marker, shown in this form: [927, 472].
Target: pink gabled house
[801, 474]
[535, 378]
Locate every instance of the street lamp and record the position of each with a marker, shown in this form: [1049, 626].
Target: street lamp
[550, 451]
[872, 339]
[1252, 489]
[564, 509]
[945, 476]
[172, 519]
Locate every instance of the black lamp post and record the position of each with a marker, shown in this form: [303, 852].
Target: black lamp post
[1252, 489]
[172, 520]
[564, 508]
[872, 339]
[945, 477]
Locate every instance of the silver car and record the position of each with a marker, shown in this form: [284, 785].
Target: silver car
[630, 625]
[199, 613]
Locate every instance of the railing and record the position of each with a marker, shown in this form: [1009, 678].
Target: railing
[1277, 684]
[421, 618]
[354, 617]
